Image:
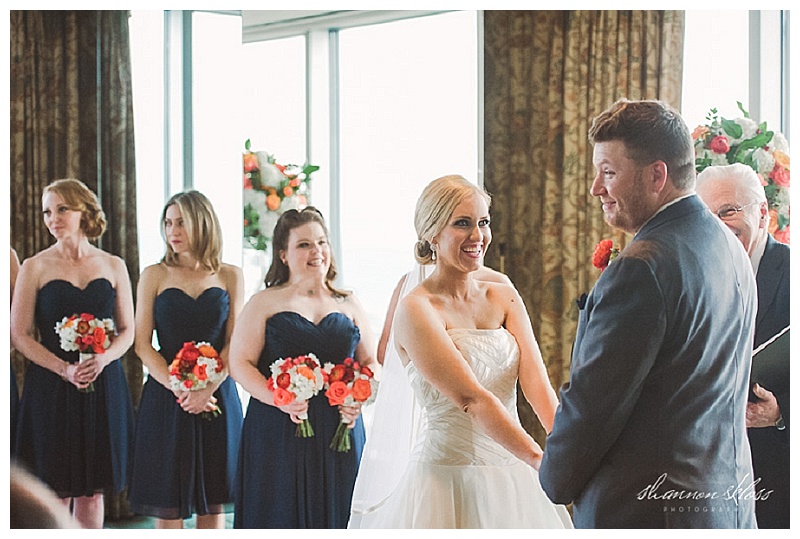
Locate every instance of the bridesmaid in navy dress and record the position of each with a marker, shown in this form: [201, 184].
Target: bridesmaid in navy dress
[285, 481]
[77, 442]
[185, 462]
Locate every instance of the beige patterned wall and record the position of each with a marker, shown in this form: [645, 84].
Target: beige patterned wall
[547, 74]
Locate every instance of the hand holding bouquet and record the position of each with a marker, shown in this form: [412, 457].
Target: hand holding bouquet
[296, 380]
[348, 384]
[85, 334]
[195, 367]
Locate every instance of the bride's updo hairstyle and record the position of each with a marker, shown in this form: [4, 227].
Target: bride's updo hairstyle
[80, 198]
[278, 272]
[434, 208]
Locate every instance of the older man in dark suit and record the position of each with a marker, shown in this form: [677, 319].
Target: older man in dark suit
[650, 432]
[734, 193]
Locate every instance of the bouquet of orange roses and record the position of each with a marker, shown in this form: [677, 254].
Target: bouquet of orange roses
[195, 366]
[85, 334]
[296, 379]
[346, 384]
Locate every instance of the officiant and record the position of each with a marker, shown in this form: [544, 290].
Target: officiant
[735, 194]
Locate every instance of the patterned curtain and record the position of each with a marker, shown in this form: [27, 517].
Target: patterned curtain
[71, 117]
[547, 74]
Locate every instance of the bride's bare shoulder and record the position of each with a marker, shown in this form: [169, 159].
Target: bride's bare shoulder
[489, 275]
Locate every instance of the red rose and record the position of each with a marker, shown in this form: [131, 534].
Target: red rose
[336, 393]
[337, 373]
[780, 176]
[281, 397]
[361, 390]
[189, 352]
[284, 380]
[720, 144]
[199, 371]
[602, 254]
[86, 342]
[87, 317]
[367, 372]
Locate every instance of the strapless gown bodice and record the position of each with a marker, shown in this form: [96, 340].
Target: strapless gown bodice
[457, 476]
[452, 437]
[179, 316]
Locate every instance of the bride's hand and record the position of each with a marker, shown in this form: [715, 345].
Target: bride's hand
[295, 410]
[349, 414]
[535, 459]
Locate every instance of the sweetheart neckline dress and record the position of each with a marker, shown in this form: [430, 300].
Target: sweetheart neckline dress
[55, 419]
[459, 477]
[290, 482]
[183, 463]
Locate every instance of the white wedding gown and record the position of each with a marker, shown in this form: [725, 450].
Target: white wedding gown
[457, 476]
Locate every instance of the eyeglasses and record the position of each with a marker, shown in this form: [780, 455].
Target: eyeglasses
[728, 211]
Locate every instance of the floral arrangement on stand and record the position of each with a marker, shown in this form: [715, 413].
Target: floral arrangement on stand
[269, 190]
[742, 140]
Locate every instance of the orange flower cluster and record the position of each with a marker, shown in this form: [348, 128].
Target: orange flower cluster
[270, 189]
[347, 384]
[296, 379]
[195, 366]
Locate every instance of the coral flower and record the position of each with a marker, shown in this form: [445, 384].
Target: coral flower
[273, 202]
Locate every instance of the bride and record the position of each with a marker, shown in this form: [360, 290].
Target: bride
[463, 344]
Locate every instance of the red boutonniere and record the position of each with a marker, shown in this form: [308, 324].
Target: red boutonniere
[604, 253]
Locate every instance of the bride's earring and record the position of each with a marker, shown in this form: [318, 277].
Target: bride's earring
[433, 252]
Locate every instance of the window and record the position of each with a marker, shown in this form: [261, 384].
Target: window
[733, 56]
[382, 101]
[405, 120]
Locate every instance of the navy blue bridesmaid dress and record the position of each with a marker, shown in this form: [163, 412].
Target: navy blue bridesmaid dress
[78, 443]
[290, 482]
[183, 463]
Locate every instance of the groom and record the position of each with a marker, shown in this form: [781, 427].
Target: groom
[650, 432]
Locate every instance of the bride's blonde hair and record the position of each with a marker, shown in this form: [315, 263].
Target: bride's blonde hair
[434, 208]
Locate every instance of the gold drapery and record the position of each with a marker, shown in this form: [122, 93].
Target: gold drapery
[547, 74]
[72, 117]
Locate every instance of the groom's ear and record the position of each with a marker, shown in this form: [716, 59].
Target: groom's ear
[656, 174]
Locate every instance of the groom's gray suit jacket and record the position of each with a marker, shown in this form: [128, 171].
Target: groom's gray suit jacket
[650, 431]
